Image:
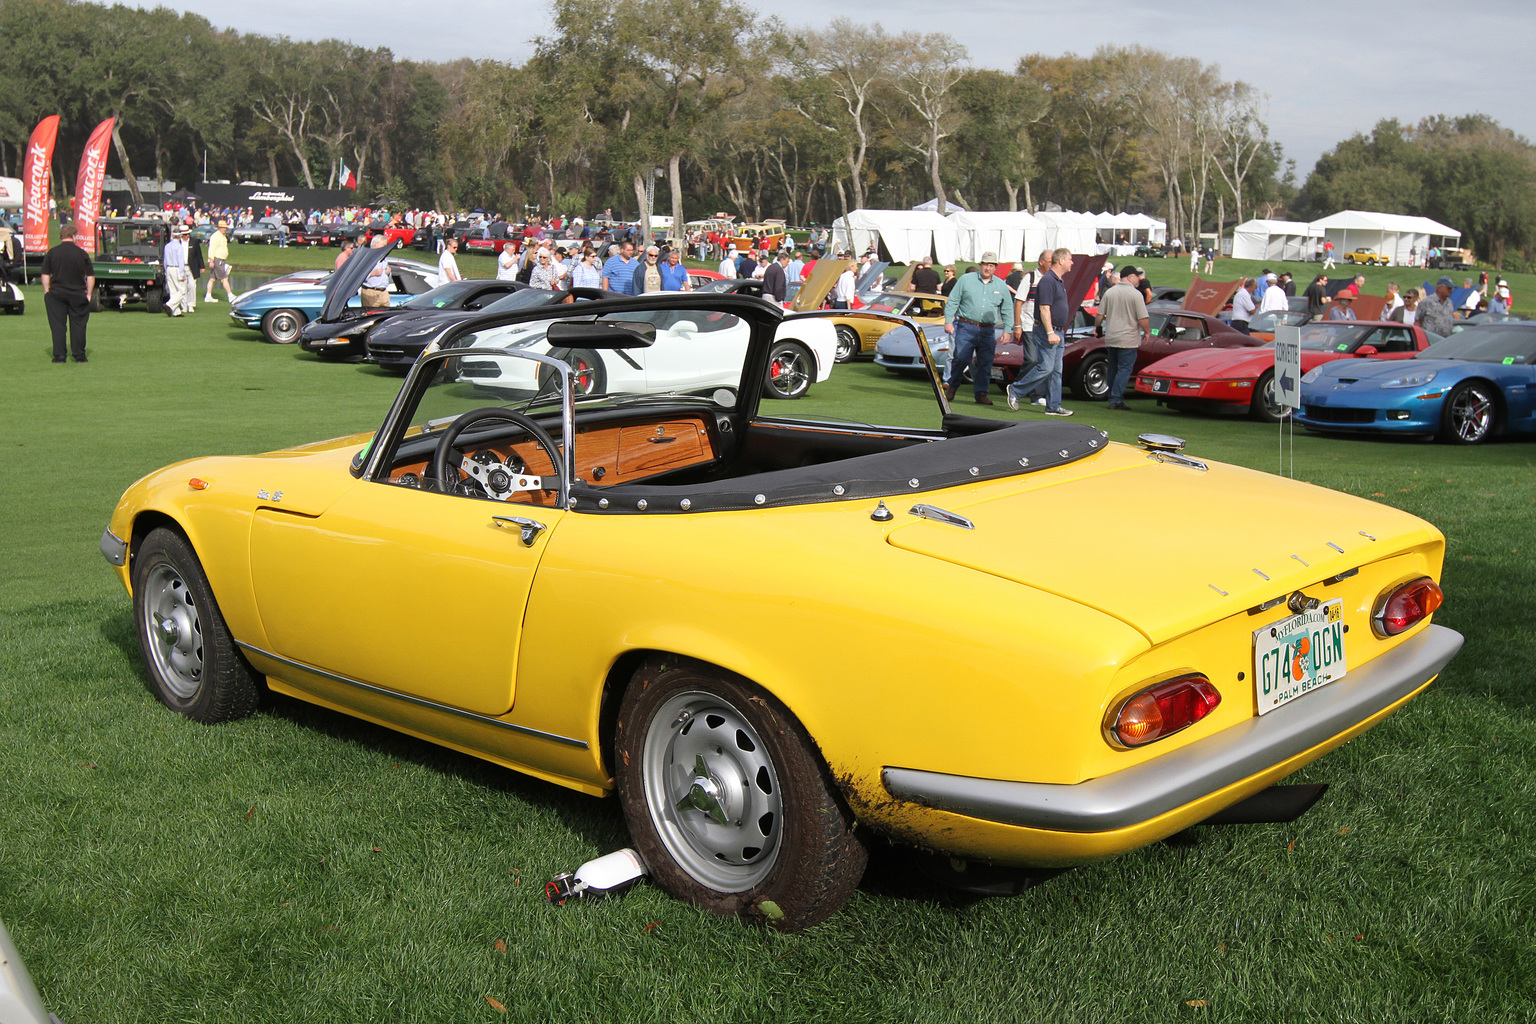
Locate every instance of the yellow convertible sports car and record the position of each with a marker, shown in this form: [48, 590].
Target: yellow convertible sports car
[723, 611]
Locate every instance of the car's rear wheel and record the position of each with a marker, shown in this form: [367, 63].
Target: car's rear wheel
[282, 326]
[154, 300]
[1092, 379]
[848, 343]
[194, 666]
[727, 801]
[1471, 413]
[1265, 406]
[790, 371]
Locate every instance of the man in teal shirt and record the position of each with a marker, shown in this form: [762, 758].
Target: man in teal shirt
[978, 306]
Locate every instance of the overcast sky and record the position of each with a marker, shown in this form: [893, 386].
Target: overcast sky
[1330, 70]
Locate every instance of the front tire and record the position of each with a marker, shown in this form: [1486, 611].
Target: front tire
[790, 371]
[588, 373]
[282, 326]
[193, 663]
[727, 801]
[1471, 413]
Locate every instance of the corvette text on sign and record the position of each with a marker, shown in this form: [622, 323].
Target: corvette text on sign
[1288, 366]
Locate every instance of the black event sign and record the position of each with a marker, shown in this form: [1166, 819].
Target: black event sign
[258, 196]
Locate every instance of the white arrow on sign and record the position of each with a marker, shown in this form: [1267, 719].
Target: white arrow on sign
[1288, 366]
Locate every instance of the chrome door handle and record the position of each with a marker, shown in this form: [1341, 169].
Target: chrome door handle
[528, 528]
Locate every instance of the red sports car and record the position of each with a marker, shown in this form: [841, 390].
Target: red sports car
[1084, 364]
[1245, 378]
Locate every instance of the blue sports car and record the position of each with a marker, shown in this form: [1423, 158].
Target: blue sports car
[279, 309]
[1466, 389]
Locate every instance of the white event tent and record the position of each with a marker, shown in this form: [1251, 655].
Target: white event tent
[1391, 234]
[1016, 236]
[904, 236]
[1277, 240]
[1067, 230]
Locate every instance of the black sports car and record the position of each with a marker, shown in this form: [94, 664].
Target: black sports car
[397, 342]
[340, 330]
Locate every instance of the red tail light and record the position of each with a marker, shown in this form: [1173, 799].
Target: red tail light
[1163, 710]
[1406, 606]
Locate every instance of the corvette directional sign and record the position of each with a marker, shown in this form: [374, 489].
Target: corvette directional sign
[1288, 366]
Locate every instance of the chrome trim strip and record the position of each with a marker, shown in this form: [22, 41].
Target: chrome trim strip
[522, 730]
[1186, 774]
[113, 549]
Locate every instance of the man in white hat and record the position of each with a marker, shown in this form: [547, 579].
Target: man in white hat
[178, 279]
[978, 308]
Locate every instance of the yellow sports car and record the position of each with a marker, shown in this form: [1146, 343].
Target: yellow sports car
[775, 632]
[1368, 257]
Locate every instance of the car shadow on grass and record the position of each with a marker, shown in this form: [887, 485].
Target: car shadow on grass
[599, 823]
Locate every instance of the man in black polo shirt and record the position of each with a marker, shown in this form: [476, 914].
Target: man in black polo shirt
[68, 279]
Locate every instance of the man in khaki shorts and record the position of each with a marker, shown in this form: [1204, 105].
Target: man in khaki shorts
[218, 262]
[375, 291]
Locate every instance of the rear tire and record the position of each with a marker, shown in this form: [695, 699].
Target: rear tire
[727, 801]
[154, 300]
[1091, 381]
[1264, 407]
[848, 344]
[790, 371]
[193, 663]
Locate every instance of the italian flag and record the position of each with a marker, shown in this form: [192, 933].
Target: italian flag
[348, 179]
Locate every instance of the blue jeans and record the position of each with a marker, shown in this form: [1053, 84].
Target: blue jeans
[978, 342]
[1121, 362]
[1047, 370]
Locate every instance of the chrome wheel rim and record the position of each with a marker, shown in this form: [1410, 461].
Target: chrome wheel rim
[1472, 414]
[712, 791]
[847, 343]
[173, 631]
[788, 373]
[285, 328]
[1096, 379]
[1271, 404]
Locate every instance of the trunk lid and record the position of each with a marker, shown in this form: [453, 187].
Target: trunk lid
[1162, 547]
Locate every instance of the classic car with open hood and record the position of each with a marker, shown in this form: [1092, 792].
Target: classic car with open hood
[721, 609]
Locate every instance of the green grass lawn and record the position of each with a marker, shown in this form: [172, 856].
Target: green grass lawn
[302, 866]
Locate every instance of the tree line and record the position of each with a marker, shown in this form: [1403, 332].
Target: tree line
[692, 106]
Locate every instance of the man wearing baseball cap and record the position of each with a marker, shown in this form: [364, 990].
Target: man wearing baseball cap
[978, 306]
[1436, 313]
[1123, 317]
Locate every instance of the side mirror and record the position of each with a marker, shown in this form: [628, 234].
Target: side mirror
[1366, 351]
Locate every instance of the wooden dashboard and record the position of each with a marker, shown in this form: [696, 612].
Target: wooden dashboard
[606, 455]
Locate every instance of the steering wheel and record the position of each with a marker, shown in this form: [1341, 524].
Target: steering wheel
[497, 480]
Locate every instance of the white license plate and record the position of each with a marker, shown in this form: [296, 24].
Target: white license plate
[1297, 655]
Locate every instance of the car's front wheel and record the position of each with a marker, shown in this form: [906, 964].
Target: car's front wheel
[282, 326]
[1471, 413]
[194, 666]
[790, 371]
[727, 801]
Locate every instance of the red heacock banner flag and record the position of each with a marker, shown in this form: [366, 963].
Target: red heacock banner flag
[35, 171]
[93, 169]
